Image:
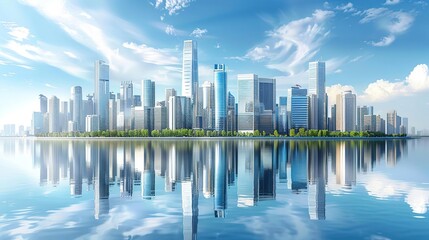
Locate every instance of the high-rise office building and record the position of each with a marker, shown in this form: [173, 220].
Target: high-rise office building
[92, 123]
[36, 123]
[297, 104]
[333, 118]
[361, 112]
[404, 126]
[43, 103]
[64, 116]
[317, 79]
[169, 92]
[220, 85]
[231, 122]
[248, 102]
[282, 120]
[113, 113]
[180, 113]
[102, 94]
[190, 78]
[160, 117]
[208, 105]
[54, 114]
[267, 100]
[392, 118]
[127, 101]
[148, 93]
[190, 69]
[77, 105]
[137, 102]
[380, 124]
[369, 123]
[313, 111]
[346, 111]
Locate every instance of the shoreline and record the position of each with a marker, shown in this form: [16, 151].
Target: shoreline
[269, 138]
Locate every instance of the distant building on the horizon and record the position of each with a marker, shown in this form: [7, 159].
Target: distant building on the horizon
[77, 107]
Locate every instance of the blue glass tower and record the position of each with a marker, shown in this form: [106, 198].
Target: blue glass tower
[220, 96]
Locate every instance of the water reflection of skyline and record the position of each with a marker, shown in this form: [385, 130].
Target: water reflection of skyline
[207, 169]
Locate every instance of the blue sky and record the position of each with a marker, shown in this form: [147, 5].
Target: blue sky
[378, 48]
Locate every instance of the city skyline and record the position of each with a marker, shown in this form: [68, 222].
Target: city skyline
[50, 60]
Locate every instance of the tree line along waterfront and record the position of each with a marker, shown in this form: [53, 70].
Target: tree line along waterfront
[301, 132]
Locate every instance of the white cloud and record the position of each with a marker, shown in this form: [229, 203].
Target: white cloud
[290, 47]
[19, 33]
[385, 41]
[391, 22]
[218, 46]
[86, 15]
[383, 90]
[346, 7]
[152, 55]
[172, 6]
[9, 74]
[391, 2]
[259, 53]
[49, 85]
[198, 32]
[70, 54]
[169, 29]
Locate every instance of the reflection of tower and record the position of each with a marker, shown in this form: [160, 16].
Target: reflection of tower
[91, 154]
[208, 172]
[75, 160]
[113, 162]
[346, 164]
[170, 175]
[267, 181]
[148, 176]
[53, 163]
[101, 181]
[299, 166]
[283, 147]
[127, 176]
[248, 165]
[220, 181]
[317, 172]
[43, 163]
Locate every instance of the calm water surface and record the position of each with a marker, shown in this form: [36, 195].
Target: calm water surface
[214, 189]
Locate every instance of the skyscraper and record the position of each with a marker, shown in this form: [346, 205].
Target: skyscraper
[54, 114]
[76, 99]
[148, 93]
[190, 78]
[248, 102]
[231, 122]
[391, 118]
[361, 112]
[317, 78]
[282, 124]
[220, 84]
[267, 99]
[43, 103]
[127, 101]
[346, 111]
[208, 105]
[298, 107]
[190, 69]
[101, 98]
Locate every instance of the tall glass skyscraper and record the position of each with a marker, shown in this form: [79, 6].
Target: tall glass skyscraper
[76, 99]
[190, 70]
[220, 83]
[148, 93]
[127, 101]
[317, 79]
[282, 124]
[298, 107]
[54, 114]
[248, 102]
[43, 103]
[267, 99]
[101, 98]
